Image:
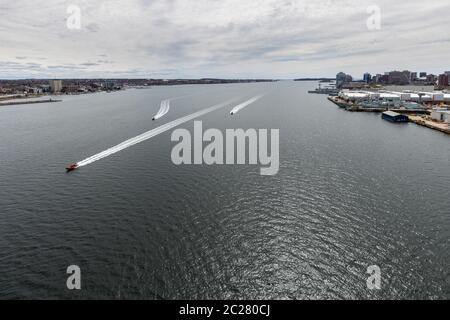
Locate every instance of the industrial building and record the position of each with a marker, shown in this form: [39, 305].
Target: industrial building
[441, 115]
[394, 117]
[419, 97]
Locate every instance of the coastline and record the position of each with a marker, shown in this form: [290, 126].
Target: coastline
[413, 115]
[15, 98]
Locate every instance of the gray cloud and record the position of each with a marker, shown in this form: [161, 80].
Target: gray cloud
[104, 61]
[89, 64]
[228, 38]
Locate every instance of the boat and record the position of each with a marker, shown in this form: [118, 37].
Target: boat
[329, 91]
[72, 167]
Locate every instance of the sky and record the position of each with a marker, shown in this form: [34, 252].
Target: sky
[278, 39]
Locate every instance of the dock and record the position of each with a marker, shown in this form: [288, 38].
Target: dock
[417, 116]
[439, 126]
[16, 102]
[326, 91]
[341, 103]
[353, 107]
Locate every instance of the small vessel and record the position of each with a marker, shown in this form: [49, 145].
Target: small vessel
[72, 167]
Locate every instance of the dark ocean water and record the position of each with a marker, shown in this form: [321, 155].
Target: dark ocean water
[352, 191]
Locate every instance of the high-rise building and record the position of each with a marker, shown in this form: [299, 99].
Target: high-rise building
[399, 77]
[382, 78]
[413, 76]
[348, 78]
[340, 79]
[407, 75]
[367, 77]
[423, 74]
[55, 86]
[431, 79]
[443, 80]
[109, 84]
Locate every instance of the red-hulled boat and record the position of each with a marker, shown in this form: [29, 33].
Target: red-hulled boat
[72, 167]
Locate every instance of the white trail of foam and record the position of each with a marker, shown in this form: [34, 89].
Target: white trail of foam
[245, 104]
[164, 109]
[152, 133]
[165, 106]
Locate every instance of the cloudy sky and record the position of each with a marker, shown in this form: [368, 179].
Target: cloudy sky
[221, 38]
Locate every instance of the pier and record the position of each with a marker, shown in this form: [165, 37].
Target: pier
[439, 126]
[16, 102]
[355, 107]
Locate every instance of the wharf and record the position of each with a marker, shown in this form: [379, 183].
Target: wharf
[353, 107]
[442, 127]
[17, 102]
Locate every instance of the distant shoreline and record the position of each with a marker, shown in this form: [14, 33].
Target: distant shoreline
[315, 79]
[83, 86]
[138, 80]
[23, 99]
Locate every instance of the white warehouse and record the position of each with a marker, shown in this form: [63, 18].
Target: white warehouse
[430, 97]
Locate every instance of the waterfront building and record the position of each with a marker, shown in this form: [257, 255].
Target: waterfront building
[383, 79]
[55, 86]
[340, 79]
[354, 85]
[71, 88]
[109, 85]
[36, 90]
[45, 88]
[367, 77]
[440, 115]
[395, 98]
[431, 79]
[443, 80]
[394, 117]
[399, 77]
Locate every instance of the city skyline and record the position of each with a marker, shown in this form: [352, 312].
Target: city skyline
[255, 39]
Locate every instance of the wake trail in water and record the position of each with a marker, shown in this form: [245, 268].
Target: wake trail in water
[165, 106]
[164, 109]
[152, 133]
[245, 104]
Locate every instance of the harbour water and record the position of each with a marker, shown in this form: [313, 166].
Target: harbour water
[352, 191]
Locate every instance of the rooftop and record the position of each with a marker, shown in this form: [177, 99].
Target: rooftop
[392, 114]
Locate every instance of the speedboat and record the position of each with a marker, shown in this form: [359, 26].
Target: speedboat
[72, 167]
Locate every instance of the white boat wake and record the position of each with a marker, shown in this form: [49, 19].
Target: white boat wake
[165, 107]
[245, 104]
[150, 134]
